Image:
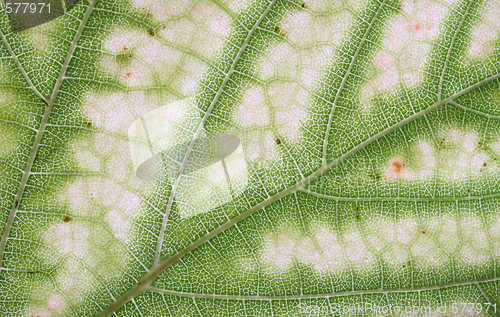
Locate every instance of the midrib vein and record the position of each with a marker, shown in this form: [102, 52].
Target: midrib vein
[227, 77]
[41, 129]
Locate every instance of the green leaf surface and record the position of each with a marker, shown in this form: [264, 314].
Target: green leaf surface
[365, 180]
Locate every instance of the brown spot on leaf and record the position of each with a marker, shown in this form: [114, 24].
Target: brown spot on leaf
[278, 141]
[397, 165]
[151, 32]
[67, 219]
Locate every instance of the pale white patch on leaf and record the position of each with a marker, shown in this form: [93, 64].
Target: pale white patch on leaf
[457, 156]
[69, 239]
[208, 188]
[475, 247]
[400, 243]
[88, 159]
[237, 5]
[405, 49]
[40, 37]
[254, 116]
[201, 30]
[307, 252]
[274, 112]
[486, 32]
[355, 248]
[56, 304]
[331, 251]
[279, 250]
[448, 236]
[163, 9]
[253, 110]
[314, 39]
[280, 61]
[136, 59]
[115, 112]
[172, 125]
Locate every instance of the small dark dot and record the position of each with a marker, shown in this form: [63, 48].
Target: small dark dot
[484, 164]
[151, 32]
[67, 219]
[277, 29]
[278, 141]
[423, 232]
[303, 5]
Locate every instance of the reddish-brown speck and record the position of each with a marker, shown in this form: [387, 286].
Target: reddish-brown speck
[397, 165]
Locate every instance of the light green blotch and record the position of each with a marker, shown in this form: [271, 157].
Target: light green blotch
[198, 191]
[174, 123]
[7, 138]
[207, 188]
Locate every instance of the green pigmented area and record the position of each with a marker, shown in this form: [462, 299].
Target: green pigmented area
[123, 59]
[462, 22]
[446, 300]
[44, 67]
[426, 230]
[350, 127]
[336, 89]
[20, 110]
[365, 174]
[221, 115]
[450, 225]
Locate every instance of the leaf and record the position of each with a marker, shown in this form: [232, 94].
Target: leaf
[366, 180]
